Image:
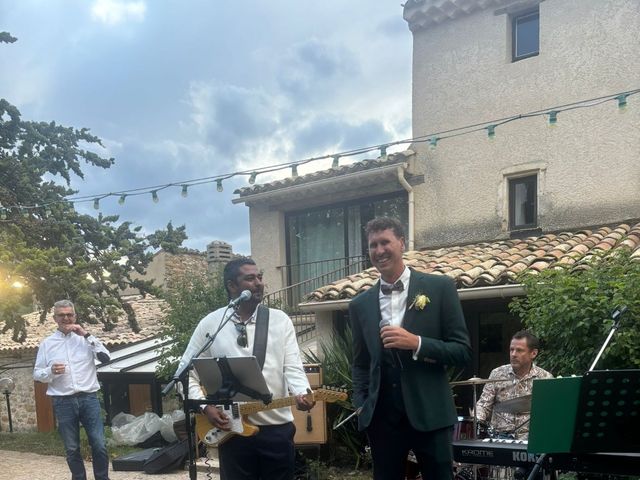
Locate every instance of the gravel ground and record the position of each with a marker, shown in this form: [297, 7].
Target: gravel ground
[31, 466]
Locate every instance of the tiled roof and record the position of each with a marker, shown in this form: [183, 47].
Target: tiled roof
[496, 263]
[148, 311]
[391, 159]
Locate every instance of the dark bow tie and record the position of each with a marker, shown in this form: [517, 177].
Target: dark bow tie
[387, 288]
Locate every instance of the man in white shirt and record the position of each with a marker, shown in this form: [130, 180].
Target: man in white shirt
[270, 453]
[66, 361]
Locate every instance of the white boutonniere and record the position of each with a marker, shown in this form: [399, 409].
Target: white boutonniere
[419, 302]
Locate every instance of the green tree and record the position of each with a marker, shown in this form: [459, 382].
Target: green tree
[189, 303]
[570, 309]
[52, 250]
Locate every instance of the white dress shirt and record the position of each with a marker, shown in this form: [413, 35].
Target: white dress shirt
[394, 305]
[78, 355]
[282, 371]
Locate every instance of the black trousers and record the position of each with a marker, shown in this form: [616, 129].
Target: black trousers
[391, 436]
[268, 455]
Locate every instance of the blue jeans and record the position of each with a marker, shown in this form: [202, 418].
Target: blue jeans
[71, 411]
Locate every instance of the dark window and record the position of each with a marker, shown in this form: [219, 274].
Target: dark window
[525, 35]
[523, 202]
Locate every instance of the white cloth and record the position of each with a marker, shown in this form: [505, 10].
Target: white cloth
[78, 354]
[283, 370]
[394, 305]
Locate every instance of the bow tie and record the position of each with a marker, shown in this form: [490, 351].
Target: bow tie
[387, 288]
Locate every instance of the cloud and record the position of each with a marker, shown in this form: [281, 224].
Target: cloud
[313, 69]
[114, 12]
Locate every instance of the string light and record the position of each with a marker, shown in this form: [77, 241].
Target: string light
[491, 131]
[185, 191]
[154, 196]
[433, 139]
[622, 102]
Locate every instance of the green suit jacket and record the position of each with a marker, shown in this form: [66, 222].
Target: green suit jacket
[444, 342]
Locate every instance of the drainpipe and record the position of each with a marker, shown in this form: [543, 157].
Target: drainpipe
[409, 189]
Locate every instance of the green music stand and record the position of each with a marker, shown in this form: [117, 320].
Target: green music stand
[599, 412]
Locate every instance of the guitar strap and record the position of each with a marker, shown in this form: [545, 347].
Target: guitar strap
[262, 332]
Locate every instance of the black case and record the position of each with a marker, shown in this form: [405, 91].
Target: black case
[134, 461]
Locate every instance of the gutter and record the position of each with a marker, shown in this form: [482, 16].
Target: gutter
[479, 293]
[409, 189]
[325, 181]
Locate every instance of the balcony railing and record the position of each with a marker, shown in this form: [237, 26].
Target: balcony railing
[288, 298]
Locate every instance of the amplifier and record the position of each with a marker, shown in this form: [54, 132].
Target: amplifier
[311, 427]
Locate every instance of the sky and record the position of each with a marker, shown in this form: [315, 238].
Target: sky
[186, 89]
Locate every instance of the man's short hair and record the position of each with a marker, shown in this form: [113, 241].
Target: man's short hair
[532, 341]
[232, 270]
[380, 224]
[64, 304]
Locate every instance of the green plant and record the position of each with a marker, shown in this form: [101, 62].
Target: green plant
[346, 442]
[570, 309]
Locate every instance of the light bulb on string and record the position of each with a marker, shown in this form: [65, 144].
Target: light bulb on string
[122, 198]
[47, 212]
[154, 196]
[219, 186]
[433, 143]
[622, 102]
[252, 178]
[3, 214]
[96, 203]
[185, 191]
[25, 213]
[553, 118]
[336, 161]
[294, 171]
[383, 151]
[491, 131]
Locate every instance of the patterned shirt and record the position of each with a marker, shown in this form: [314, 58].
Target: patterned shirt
[512, 387]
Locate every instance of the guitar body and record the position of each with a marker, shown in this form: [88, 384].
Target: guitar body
[213, 437]
[238, 412]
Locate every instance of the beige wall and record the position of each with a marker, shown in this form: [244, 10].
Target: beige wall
[588, 164]
[268, 244]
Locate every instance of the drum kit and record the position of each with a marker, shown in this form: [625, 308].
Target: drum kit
[472, 429]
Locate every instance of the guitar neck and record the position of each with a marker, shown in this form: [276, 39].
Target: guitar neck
[255, 407]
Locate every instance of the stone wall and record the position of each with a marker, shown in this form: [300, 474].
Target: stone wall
[23, 408]
[184, 266]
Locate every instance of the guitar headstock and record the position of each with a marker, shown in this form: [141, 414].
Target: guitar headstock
[330, 394]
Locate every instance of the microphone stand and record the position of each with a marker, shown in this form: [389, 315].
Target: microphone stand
[616, 316]
[181, 375]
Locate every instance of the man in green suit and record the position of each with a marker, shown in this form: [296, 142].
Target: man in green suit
[407, 329]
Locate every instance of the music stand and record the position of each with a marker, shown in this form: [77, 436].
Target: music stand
[228, 379]
[608, 419]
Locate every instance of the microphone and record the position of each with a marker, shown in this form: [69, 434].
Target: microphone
[394, 352]
[244, 296]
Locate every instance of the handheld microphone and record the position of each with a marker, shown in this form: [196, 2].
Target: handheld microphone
[244, 296]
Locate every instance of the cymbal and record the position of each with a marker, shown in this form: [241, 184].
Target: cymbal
[514, 405]
[477, 381]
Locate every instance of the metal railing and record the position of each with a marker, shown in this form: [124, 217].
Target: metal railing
[288, 298]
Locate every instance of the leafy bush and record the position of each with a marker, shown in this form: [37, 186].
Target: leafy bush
[570, 309]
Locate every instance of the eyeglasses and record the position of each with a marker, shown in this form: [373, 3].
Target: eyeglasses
[242, 334]
[65, 315]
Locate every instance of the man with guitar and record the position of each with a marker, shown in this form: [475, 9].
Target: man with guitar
[269, 454]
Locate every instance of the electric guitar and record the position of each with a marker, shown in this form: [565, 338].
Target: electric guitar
[237, 414]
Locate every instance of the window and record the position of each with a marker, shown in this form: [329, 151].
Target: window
[523, 199]
[525, 29]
